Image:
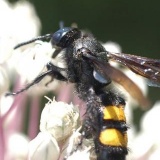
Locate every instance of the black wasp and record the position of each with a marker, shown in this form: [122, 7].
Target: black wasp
[89, 69]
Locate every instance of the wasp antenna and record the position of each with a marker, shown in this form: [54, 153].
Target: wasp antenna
[45, 37]
[12, 93]
[21, 90]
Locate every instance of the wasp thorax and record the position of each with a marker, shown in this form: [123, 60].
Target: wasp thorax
[81, 52]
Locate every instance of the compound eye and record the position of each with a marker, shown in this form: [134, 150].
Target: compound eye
[57, 36]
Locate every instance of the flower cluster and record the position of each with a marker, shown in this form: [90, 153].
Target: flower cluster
[56, 135]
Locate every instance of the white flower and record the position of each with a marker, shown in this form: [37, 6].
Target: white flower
[147, 143]
[58, 122]
[44, 147]
[6, 48]
[155, 154]
[31, 62]
[59, 119]
[17, 147]
[20, 23]
[4, 81]
[149, 120]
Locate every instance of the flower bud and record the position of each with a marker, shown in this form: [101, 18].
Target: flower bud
[59, 119]
[44, 147]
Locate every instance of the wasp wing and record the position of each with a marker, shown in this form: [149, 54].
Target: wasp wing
[119, 77]
[146, 67]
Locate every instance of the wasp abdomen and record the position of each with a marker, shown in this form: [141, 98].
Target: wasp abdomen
[112, 139]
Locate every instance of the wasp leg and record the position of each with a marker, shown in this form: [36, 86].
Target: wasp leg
[52, 71]
[55, 73]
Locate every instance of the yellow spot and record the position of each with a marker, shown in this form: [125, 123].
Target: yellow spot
[113, 137]
[114, 113]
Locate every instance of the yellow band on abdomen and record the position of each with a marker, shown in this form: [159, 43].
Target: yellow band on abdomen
[113, 137]
[114, 113]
